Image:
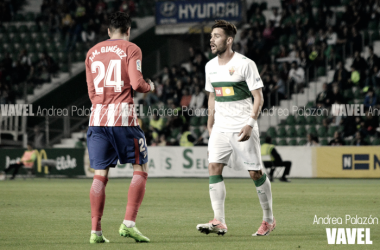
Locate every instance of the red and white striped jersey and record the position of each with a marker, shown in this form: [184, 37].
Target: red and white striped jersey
[113, 68]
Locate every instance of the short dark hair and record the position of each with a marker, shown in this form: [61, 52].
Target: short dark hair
[229, 28]
[119, 20]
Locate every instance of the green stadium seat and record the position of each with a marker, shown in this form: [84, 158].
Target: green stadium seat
[291, 132]
[282, 142]
[274, 51]
[376, 141]
[323, 142]
[358, 94]
[274, 141]
[292, 142]
[322, 132]
[319, 119]
[292, 39]
[23, 29]
[64, 58]
[16, 38]
[175, 132]
[331, 130]
[310, 104]
[284, 40]
[312, 130]
[301, 120]
[316, 3]
[31, 47]
[348, 94]
[263, 6]
[3, 30]
[34, 29]
[34, 57]
[50, 47]
[12, 29]
[272, 132]
[301, 131]
[29, 17]
[281, 132]
[27, 38]
[204, 120]
[19, 17]
[5, 38]
[321, 71]
[41, 47]
[372, 25]
[45, 28]
[194, 121]
[310, 120]
[38, 38]
[302, 142]
[64, 67]
[197, 132]
[290, 120]
[9, 47]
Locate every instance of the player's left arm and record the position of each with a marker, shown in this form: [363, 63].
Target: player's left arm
[245, 132]
[255, 85]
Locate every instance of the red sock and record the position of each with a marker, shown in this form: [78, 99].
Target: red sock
[97, 199]
[135, 194]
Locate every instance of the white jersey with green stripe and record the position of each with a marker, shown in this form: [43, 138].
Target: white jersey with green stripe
[232, 84]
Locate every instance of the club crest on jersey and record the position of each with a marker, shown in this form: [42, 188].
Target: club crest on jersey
[224, 91]
[232, 70]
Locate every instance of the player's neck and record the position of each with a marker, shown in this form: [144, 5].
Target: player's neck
[119, 36]
[225, 57]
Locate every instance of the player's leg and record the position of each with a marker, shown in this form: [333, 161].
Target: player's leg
[136, 194]
[102, 156]
[15, 168]
[139, 158]
[287, 165]
[264, 192]
[219, 153]
[97, 200]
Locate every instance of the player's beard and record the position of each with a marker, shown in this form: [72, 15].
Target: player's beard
[222, 48]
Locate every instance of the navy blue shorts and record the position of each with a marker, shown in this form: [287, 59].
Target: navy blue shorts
[107, 145]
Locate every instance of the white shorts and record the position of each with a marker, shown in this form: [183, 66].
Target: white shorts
[225, 148]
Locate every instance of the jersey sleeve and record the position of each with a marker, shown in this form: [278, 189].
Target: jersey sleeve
[89, 80]
[134, 69]
[208, 86]
[252, 76]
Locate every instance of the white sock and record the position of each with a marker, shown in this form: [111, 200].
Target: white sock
[264, 192]
[129, 223]
[218, 195]
[98, 233]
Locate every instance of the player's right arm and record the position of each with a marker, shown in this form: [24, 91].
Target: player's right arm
[211, 112]
[90, 80]
[135, 73]
[211, 102]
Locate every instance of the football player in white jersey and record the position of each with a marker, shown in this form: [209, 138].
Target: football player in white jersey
[232, 79]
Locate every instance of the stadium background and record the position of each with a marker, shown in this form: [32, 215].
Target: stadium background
[42, 48]
[332, 46]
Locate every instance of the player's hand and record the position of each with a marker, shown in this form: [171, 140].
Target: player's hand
[245, 133]
[151, 84]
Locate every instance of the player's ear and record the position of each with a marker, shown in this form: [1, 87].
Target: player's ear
[129, 31]
[230, 40]
[109, 32]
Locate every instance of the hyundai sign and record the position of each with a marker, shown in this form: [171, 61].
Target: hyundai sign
[173, 12]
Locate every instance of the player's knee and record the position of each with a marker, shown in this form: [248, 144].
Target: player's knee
[215, 168]
[255, 175]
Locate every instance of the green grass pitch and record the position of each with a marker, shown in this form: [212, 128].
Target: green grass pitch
[55, 214]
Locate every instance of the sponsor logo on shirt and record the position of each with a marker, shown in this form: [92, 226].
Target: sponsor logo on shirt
[224, 91]
[232, 70]
[257, 79]
[138, 65]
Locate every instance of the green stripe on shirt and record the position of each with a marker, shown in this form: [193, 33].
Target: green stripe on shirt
[241, 91]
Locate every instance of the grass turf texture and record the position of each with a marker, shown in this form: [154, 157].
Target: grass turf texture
[55, 214]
